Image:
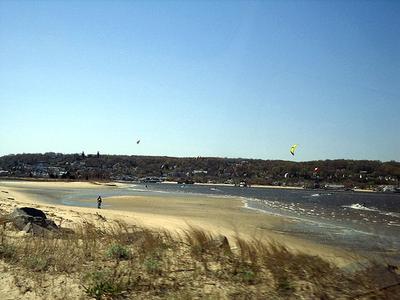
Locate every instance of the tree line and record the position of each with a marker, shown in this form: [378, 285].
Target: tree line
[202, 169]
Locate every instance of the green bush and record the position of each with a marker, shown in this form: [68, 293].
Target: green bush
[248, 276]
[152, 265]
[117, 251]
[102, 283]
[284, 286]
[8, 252]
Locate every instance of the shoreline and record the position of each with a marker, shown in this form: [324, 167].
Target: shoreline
[268, 187]
[232, 185]
[117, 183]
[217, 215]
[128, 250]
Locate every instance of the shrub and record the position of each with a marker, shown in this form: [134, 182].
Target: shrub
[102, 283]
[8, 252]
[152, 265]
[37, 263]
[284, 286]
[117, 251]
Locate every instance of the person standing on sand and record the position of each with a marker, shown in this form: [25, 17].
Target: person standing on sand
[99, 200]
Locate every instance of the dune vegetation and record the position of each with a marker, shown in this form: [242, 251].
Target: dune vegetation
[121, 261]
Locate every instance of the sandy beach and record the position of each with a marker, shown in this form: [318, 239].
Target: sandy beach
[217, 215]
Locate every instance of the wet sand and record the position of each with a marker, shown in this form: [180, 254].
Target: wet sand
[217, 215]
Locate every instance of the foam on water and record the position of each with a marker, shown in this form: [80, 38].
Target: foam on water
[358, 206]
[336, 229]
[392, 214]
[361, 207]
[246, 205]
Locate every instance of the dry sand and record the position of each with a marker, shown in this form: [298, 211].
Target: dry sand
[217, 215]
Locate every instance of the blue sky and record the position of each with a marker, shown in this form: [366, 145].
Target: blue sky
[201, 78]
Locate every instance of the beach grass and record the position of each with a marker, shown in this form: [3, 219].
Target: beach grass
[121, 261]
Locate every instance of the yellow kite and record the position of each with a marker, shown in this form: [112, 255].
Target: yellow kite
[293, 148]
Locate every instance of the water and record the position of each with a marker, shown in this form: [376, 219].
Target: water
[353, 220]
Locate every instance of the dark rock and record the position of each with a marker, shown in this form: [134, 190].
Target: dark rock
[19, 222]
[28, 211]
[49, 224]
[27, 227]
[32, 220]
[35, 229]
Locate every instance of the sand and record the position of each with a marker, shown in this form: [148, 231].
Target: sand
[216, 214]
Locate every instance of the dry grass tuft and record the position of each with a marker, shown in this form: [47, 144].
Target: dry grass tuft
[118, 260]
[200, 241]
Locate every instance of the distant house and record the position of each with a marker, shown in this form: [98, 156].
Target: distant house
[56, 171]
[243, 184]
[3, 173]
[329, 186]
[150, 180]
[41, 166]
[40, 169]
[388, 188]
[199, 172]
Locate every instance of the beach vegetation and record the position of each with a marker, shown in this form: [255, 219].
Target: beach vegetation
[106, 283]
[37, 263]
[117, 251]
[200, 241]
[153, 265]
[246, 275]
[7, 251]
[284, 286]
[143, 263]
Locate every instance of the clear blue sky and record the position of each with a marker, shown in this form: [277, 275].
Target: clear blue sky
[201, 78]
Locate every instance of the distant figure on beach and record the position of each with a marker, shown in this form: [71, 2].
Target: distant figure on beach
[99, 200]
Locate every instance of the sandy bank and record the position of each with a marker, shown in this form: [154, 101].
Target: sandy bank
[217, 215]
